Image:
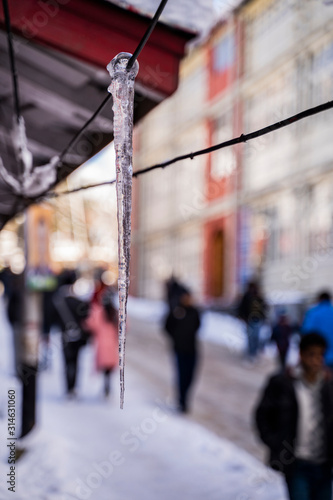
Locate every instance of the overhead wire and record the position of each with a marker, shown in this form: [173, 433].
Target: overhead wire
[12, 60]
[82, 129]
[147, 34]
[130, 63]
[237, 140]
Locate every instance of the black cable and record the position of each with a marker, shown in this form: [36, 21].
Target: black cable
[53, 194]
[77, 135]
[12, 59]
[146, 36]
[130, 63]
[129, 66]
[242, 138]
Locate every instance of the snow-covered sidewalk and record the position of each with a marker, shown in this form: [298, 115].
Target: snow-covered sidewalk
[216, 327]
[90, 449]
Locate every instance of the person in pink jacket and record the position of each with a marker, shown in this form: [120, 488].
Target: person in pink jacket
[102, 322]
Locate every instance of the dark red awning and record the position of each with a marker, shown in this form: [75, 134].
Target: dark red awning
[62, 48]
[95, 32]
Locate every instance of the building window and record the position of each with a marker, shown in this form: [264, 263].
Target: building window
[224, 54]
[223, 161]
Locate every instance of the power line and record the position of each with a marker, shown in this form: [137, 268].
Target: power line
[242, 138]
[77, 135]
[146, 36]
[12, 60]
[130, 63]
[53, 194]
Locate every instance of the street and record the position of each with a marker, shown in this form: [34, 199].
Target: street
[226, 390]
[87, 448]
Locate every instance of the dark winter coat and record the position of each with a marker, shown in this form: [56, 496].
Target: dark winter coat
[281, 336]
[174, 291]
[252, 308]
[70, 313]
[276, 419]
[182, 325]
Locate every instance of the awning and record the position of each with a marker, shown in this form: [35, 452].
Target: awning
[62, 48]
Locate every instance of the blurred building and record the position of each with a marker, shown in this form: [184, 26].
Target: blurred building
[261, 209]
[287, 175]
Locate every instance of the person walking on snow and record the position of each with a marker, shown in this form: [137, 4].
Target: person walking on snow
[252, 310]
[102, 322]
[70, 313]
[294, 419]
[281, 334]
[320, 318]
[182, 325]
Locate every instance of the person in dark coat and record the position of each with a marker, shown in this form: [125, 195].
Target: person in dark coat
[15, 287]
[252, 310]
[294, 419]
[174, 291]
[281, 334]
[49, 319]
[71, 312]
[182, 325]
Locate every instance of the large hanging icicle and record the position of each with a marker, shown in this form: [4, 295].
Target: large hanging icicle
[122, 90]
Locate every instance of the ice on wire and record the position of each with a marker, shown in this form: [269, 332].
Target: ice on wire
[32, 181]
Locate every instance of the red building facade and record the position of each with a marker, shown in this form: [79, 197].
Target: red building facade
[224, 61]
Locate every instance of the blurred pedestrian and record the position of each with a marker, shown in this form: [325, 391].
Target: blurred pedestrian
[102, 322]
[281, 334]
[252, 309]
[71, 312]
[320, 318]
[174, 291]
[294, 419]
[49, 319]
[182, 325]
[6, 278]
[15, 289]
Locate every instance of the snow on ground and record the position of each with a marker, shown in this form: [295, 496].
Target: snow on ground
[90, 449]
[215, 327]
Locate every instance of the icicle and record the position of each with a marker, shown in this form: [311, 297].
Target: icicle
[122, 90]
[37, 183]
[20, 143]
[31, 182]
